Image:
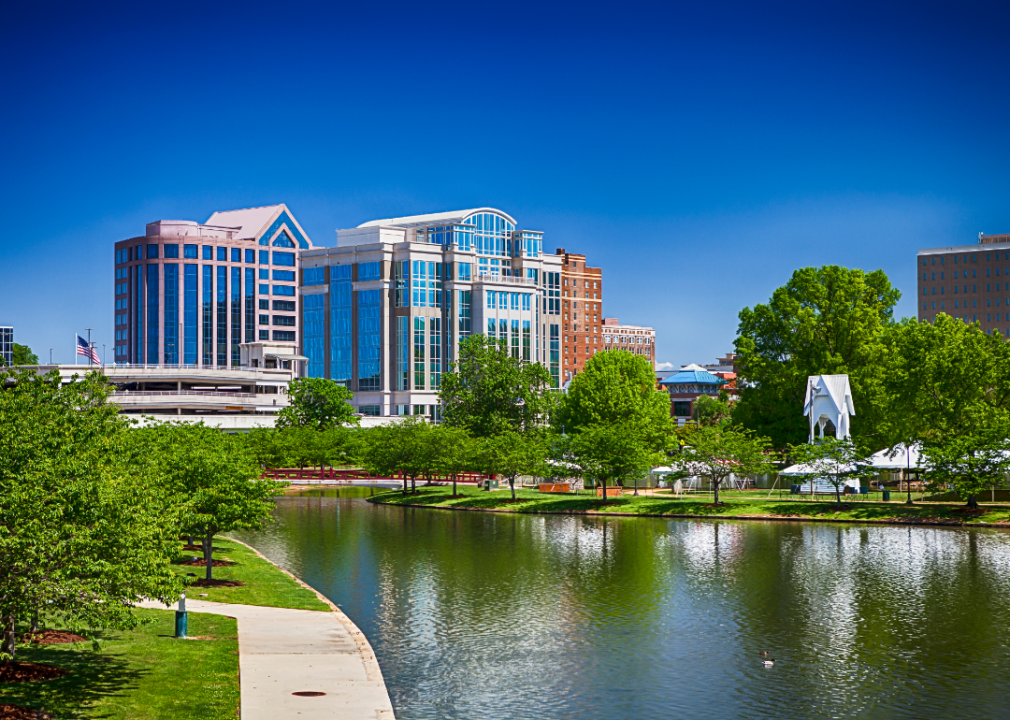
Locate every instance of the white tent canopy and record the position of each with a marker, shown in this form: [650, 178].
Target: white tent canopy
[898, 458]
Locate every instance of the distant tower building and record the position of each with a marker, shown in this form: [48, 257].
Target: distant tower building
[7, 346]
[582, 288]
[385, 310]
[191, 294]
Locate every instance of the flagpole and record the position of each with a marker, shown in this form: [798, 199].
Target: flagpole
[75, 347]
[91, 357]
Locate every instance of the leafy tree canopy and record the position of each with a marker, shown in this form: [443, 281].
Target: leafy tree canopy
[23, 355]
[834, 460]
[718, 451]
[824, 321]
[613, 453]
[488, 392]
[615, 386]
[317, 403]
[712, 411]
[399, 447]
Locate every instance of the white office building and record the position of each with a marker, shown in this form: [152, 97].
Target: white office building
[384, 311]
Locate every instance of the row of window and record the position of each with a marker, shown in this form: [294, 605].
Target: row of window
[507, 300]
[192, 252]
[932, 261]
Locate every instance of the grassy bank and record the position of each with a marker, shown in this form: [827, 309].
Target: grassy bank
[139, 674]
[263, 583]
[737, 505]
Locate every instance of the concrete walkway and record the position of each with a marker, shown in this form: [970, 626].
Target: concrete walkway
[283, 651]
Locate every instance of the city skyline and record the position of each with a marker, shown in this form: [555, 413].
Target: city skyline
[698, 158]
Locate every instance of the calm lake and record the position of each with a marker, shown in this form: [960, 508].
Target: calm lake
[490, 616]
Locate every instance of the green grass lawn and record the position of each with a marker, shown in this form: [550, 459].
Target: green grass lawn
[737, 504]
[263, 582]
[139, 674]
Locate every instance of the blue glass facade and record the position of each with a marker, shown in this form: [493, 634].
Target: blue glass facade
[402, 352]
[340, 324]
[369, 340]
[250, 305]
[222, 315]
[170, 333]
[284, 219]
[138, 313]
[236, 315]
[153, 308]
[208, 314]
[314, 333]
[190, 314]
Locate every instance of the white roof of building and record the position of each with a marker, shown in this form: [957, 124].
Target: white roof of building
[837, 387]
[442, 218]
[250, 221]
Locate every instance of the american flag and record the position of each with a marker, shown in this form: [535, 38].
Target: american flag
[83, 348]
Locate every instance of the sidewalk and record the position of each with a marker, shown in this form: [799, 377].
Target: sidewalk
[282, 651]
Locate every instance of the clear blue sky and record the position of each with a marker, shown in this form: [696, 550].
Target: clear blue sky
[698, 152]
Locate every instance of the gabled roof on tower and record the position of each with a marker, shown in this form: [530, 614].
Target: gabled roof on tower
[253, 223]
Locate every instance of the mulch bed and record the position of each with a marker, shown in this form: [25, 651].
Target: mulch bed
[204, 582]
[16, 712]
[52, 637]
[200, 563]
[29, 672]
[969, 511]
[199, 548]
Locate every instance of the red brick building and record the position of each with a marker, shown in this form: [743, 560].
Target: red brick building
[967, 282]
[582, 308]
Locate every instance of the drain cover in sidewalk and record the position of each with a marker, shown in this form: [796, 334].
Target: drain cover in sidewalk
[308, 693]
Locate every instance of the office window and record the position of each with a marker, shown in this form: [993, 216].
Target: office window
[491, 296]
[170, 333]
[236, 255]
[264, 334]
[283, 240]
[464, 314]
[313, 333]
[152, 252]
[250, 305]
[264, 304]
[400, 283]
[190, 312]
[171, 250]
[284, 258]
[284, 336]
[236, 315]
[340, 324]
[402, 353]
[310, 276]
[190, 252]
[369, 271]
[527, 340]
[369, 339]
[515, 339]
[492, 328]
[515, 301]
[264, 257]
[435, 356]
[250, 256]
[264, 274]
[285, 275]
[208, 252]
[284, 305]
[463, 271]
[222, 315]
[419, 347]
[286, 320]
[526, 301]
[222, 254]
[288, 290]
[555, 354]
[264, 289]
[265, 319]
[503, 332]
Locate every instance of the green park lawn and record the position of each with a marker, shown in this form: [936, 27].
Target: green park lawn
[146, 672]
[139, 674]
[262, 582]
[753, 504]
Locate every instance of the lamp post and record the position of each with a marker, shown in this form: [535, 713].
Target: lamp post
[181, 617]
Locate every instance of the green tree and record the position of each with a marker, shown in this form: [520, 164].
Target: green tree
[511, 454]
[948, 388]
[488, 392]
[398, 447]
[216, 481]
[453, 452]
[23, 355]
[712, 411]
[834, 460]
[615, 386]
[824, 321]
[317, 403]
[718, 451]
[612, 453]
[81, 534]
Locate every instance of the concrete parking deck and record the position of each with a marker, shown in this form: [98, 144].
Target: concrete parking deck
[284, 651]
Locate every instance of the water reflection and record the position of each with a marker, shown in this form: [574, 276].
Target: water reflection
[488, 616]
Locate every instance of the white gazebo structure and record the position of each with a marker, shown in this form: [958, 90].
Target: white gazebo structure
[829, 399]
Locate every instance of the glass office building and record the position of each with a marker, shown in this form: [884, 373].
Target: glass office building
[385, 310]
[6, 346]
[192, 294]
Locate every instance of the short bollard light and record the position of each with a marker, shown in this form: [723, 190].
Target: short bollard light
[180, 618]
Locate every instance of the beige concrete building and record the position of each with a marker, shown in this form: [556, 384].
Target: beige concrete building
[633, 338]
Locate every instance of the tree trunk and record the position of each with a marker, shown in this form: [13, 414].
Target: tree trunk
[413, 483]
[838, 493]
[972, 503]
[190, 543]
[208, 555]
[9, 638]
[512, 486]
[454, 484]
[35, 623]
[604, 491]
[404, 483]
[715, 491]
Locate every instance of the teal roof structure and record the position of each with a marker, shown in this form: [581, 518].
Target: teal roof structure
[692, 377]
